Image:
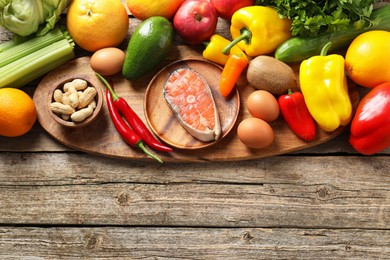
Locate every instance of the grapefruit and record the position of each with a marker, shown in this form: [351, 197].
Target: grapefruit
[97, 24]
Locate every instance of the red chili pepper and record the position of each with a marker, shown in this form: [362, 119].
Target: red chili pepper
[370, 127]
[134, 120]
[297, 116]
[231, 72]
[124, 130]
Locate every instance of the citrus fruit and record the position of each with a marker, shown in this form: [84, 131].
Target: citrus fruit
[97, 24]
[144, 9]
[191, 101]
[17, 112]
[367, 59]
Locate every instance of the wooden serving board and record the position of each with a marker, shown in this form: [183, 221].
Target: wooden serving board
[101, 137]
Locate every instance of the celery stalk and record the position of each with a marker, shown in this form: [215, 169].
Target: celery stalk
[12, 43]
[30, 46]
[42, 70]
[39, 62]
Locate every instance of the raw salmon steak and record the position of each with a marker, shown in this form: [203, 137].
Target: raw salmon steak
[191, 101]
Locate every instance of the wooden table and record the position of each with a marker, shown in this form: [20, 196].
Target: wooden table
[323, 202]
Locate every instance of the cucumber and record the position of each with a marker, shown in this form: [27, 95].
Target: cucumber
[149, 45]
[297, 49]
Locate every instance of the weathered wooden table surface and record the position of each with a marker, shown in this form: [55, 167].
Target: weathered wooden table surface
[322, 202]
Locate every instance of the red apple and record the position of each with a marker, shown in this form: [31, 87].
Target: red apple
[226, 8]
[195, 21]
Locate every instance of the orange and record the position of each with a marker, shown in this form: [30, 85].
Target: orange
[367, 59]
[17, 112]
[97, 24]
[144, 9]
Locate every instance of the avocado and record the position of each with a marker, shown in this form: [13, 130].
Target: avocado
[148, 46]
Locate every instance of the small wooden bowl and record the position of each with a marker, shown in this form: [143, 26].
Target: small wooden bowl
[99, 104]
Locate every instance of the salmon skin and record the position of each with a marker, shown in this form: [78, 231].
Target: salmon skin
[190, 98]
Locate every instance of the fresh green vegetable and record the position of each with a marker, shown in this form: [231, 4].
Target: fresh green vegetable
[35, 57]
[148, 46]
[16, 39]
[297, 49]
[24, 48]
[25, 17]
[312, 17]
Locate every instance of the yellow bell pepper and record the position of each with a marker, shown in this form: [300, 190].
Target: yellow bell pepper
[324, 87]
[213, 50]
[258, 30]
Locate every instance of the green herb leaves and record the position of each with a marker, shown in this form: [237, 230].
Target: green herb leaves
[309, 18]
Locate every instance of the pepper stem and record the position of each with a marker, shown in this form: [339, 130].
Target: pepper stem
[143, 148]
[246, 35]
[206, 43]
[325, 49]
[113, 94]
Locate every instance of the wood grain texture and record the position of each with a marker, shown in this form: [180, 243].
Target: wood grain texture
[62, 169]
[309, 192]
[197, 205]
[192, 243]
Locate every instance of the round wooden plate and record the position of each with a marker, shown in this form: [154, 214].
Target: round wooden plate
[165, 124]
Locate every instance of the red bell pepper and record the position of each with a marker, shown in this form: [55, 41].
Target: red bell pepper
[297, 116]
[370, 127]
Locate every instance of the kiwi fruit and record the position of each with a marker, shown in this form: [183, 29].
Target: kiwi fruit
[267, 73]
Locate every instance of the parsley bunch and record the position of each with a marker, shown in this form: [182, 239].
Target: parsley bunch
[309, 18]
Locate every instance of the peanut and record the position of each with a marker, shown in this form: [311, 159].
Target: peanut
[65, 117]
[72, 90]
[65, 99]
[92, 104]
[74, 99]
[87, 96]
[57, 96]
[66, 86]
[78, 84]
[76, 102]
[81, 114]
[60, 108]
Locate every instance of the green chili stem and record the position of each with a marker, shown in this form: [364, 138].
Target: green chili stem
[113, 94]
[143, 148]
[246, 35]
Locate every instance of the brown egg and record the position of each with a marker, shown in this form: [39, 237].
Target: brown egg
[107, 61]
[255, 133]
[262, 104]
